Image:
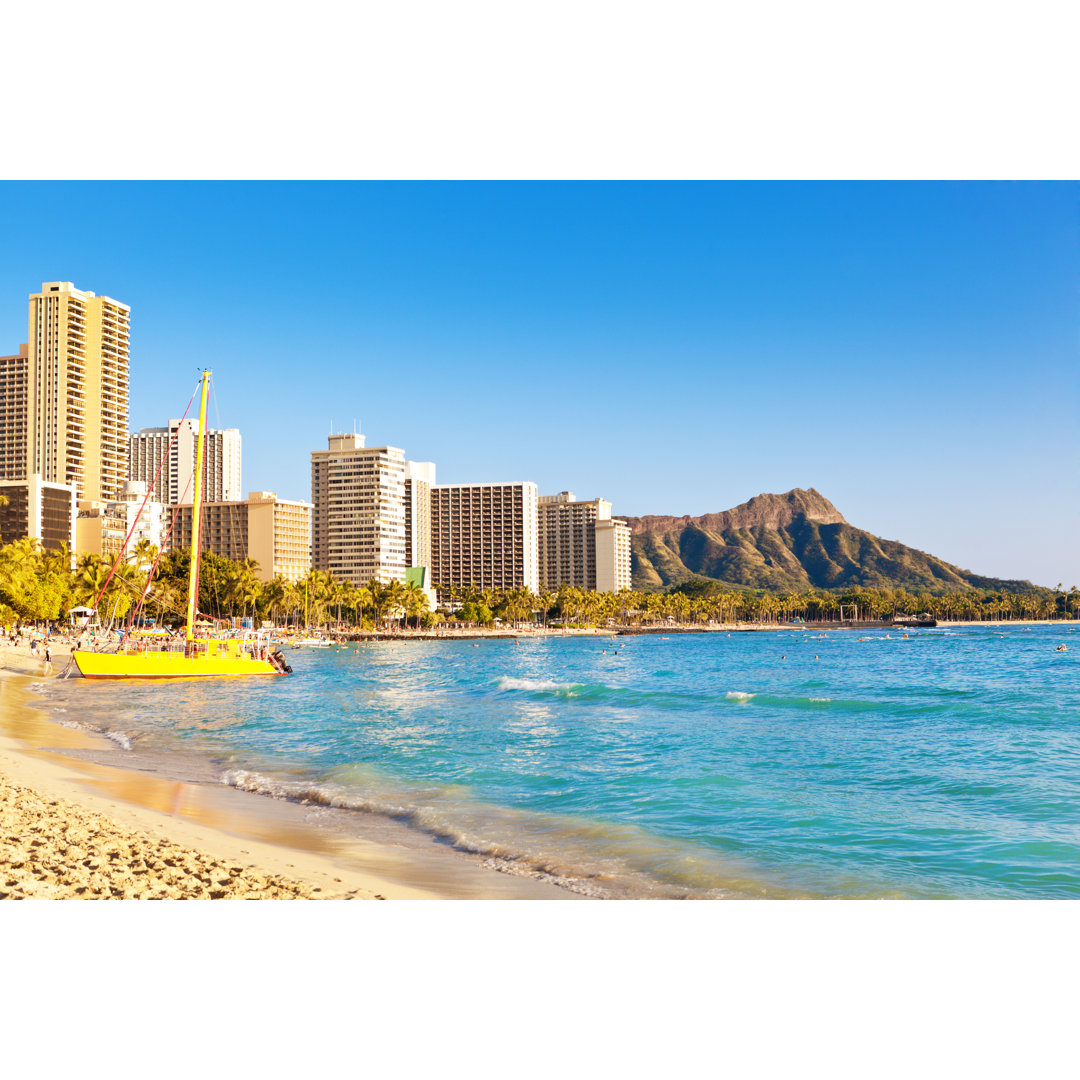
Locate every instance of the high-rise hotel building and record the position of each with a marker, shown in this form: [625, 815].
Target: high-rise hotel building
[358, 516]
[613, 566]
[14, 395]
[77, 391]
[275, 532]
[581, 544]
[221, 462]
[419, 480]
[484, 535]
[38, 510]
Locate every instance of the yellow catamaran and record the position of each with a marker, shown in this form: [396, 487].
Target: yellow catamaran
[192, 657]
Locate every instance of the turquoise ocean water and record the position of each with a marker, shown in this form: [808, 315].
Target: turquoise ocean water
[804, 764]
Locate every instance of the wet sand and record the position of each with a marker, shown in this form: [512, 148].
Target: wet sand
[73, 826]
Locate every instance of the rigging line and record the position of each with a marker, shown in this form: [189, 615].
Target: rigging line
[123, 546]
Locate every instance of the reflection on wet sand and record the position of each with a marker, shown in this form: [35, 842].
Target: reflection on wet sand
[416, 863]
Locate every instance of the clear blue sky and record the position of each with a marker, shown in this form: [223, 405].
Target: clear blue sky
[908, 349]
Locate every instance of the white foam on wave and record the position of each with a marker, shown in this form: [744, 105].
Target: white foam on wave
[118, 737]
[739, 695]
[465, 835]
[821, 699]
[549, 685]
[515, 869]
[304, 792]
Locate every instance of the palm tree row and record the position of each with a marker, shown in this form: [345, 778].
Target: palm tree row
[575, 606]
[38, 585]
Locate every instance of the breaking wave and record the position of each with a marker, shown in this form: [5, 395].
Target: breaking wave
[525, 849]
[538, 685]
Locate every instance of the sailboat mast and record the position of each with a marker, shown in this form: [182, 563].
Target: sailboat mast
[193, 580]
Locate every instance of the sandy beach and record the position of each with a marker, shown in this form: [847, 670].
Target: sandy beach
[74, 828]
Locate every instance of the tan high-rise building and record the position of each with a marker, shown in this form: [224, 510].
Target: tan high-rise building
[580, 544]
[358, 516]
[14, 395]
[275, 532]
[613, 573]
[567, 539]
[484, 535]
[419, 480]
[177, 444]
[100, 529]
[77, 405]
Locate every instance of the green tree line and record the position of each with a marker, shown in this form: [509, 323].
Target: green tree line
[38, 586]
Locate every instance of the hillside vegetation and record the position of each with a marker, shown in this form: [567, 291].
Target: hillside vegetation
[792, 542]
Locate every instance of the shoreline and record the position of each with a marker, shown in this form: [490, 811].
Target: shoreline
[482, 634]
[78, 824]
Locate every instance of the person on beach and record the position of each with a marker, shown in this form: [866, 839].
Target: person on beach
[48, 659]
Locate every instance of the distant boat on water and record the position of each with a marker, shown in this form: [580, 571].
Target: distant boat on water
[914, 620]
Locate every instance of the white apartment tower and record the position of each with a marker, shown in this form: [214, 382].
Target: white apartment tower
[175, 486]
[150, 523]
[484, 535]
[77, 390]
[358, 515]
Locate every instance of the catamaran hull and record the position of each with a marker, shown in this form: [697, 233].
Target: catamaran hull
[120, 666]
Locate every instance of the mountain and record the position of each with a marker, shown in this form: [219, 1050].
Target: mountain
[792, 542]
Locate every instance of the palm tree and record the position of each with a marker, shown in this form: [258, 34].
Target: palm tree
[395, 599]
[316, 584]
[58, 560]
[273, 595]
[143, 553]
[416, 603]
[294, 600]
[90, 578]
[361, 597]
[337, 594]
